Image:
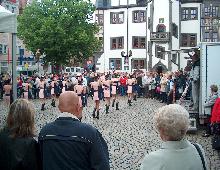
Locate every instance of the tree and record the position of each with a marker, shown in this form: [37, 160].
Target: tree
[61, 29]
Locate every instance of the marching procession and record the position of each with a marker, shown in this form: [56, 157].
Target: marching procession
[166, 87]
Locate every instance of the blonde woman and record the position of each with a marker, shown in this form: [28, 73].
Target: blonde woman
[18, 148]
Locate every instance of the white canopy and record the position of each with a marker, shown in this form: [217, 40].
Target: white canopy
[8, 21]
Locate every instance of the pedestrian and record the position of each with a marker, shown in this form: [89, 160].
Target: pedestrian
[208, 106]
[195, 76]
[68, 143]
[18, 148]
[176, 153]
[123, 85]
[78, 89]
[115, 84]
[163, 87]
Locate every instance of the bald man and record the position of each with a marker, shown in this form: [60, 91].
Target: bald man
[70, 144]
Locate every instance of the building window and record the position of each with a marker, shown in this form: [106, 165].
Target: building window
[211, 11]
[210, 37]
[175, 30]
[193, 14]
[215, 11]
[189, 40]
[174, 58]
[4, 67]
[117, 17]
[189, 14]
[160, 52]
[215, 37]
[115, 63]
[185, 14]
[138, 42]
[138, 64]
[1, 48]
[99, 19]
[149, 23]
[4, 49]
[139, 16]
[117, 43]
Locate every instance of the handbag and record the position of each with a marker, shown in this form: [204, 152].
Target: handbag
[216, 142]
[201, 155]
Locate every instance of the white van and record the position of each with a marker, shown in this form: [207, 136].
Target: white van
[74, 70]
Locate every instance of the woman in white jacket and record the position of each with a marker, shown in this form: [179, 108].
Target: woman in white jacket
[176, 153]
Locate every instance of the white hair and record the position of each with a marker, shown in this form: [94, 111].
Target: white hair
[173, 119]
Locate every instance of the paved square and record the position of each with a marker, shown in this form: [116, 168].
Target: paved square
[129, 132]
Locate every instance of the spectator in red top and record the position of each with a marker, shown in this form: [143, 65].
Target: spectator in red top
[215, 117]
[123, 85]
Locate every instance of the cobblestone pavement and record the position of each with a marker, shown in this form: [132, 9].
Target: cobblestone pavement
[129, 132]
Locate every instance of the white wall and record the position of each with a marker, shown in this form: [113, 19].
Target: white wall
[190, 26]
[118, 30]
[161, 10]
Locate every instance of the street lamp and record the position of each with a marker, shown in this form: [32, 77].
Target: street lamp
[126, 57]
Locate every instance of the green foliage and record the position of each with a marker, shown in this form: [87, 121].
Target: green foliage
[60, 28]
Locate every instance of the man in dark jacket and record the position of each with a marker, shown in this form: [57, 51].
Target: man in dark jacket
[69, 144]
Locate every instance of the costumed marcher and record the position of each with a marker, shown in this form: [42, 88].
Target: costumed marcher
[135, 88]
[79, 91]
[7, 89]
[53, 102]
[85, 91]
[95, 85]
[115, 84]
[130, 83]
[107, 92]
[41, 93]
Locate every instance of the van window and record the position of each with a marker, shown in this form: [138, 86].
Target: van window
[72, 69]
[67, 70]
[78, 70]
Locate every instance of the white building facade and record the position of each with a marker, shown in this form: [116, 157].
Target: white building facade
[159, 34]
[123, 31]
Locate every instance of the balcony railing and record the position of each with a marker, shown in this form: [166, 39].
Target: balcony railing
[160, 36]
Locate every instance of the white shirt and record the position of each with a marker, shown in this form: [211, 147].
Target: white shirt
[66, 114]
[84, 81]
[74, 80]
[144, 80]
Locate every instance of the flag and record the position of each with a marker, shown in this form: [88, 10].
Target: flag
[8, 56]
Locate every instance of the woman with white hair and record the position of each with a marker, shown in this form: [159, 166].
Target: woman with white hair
[176, 153]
